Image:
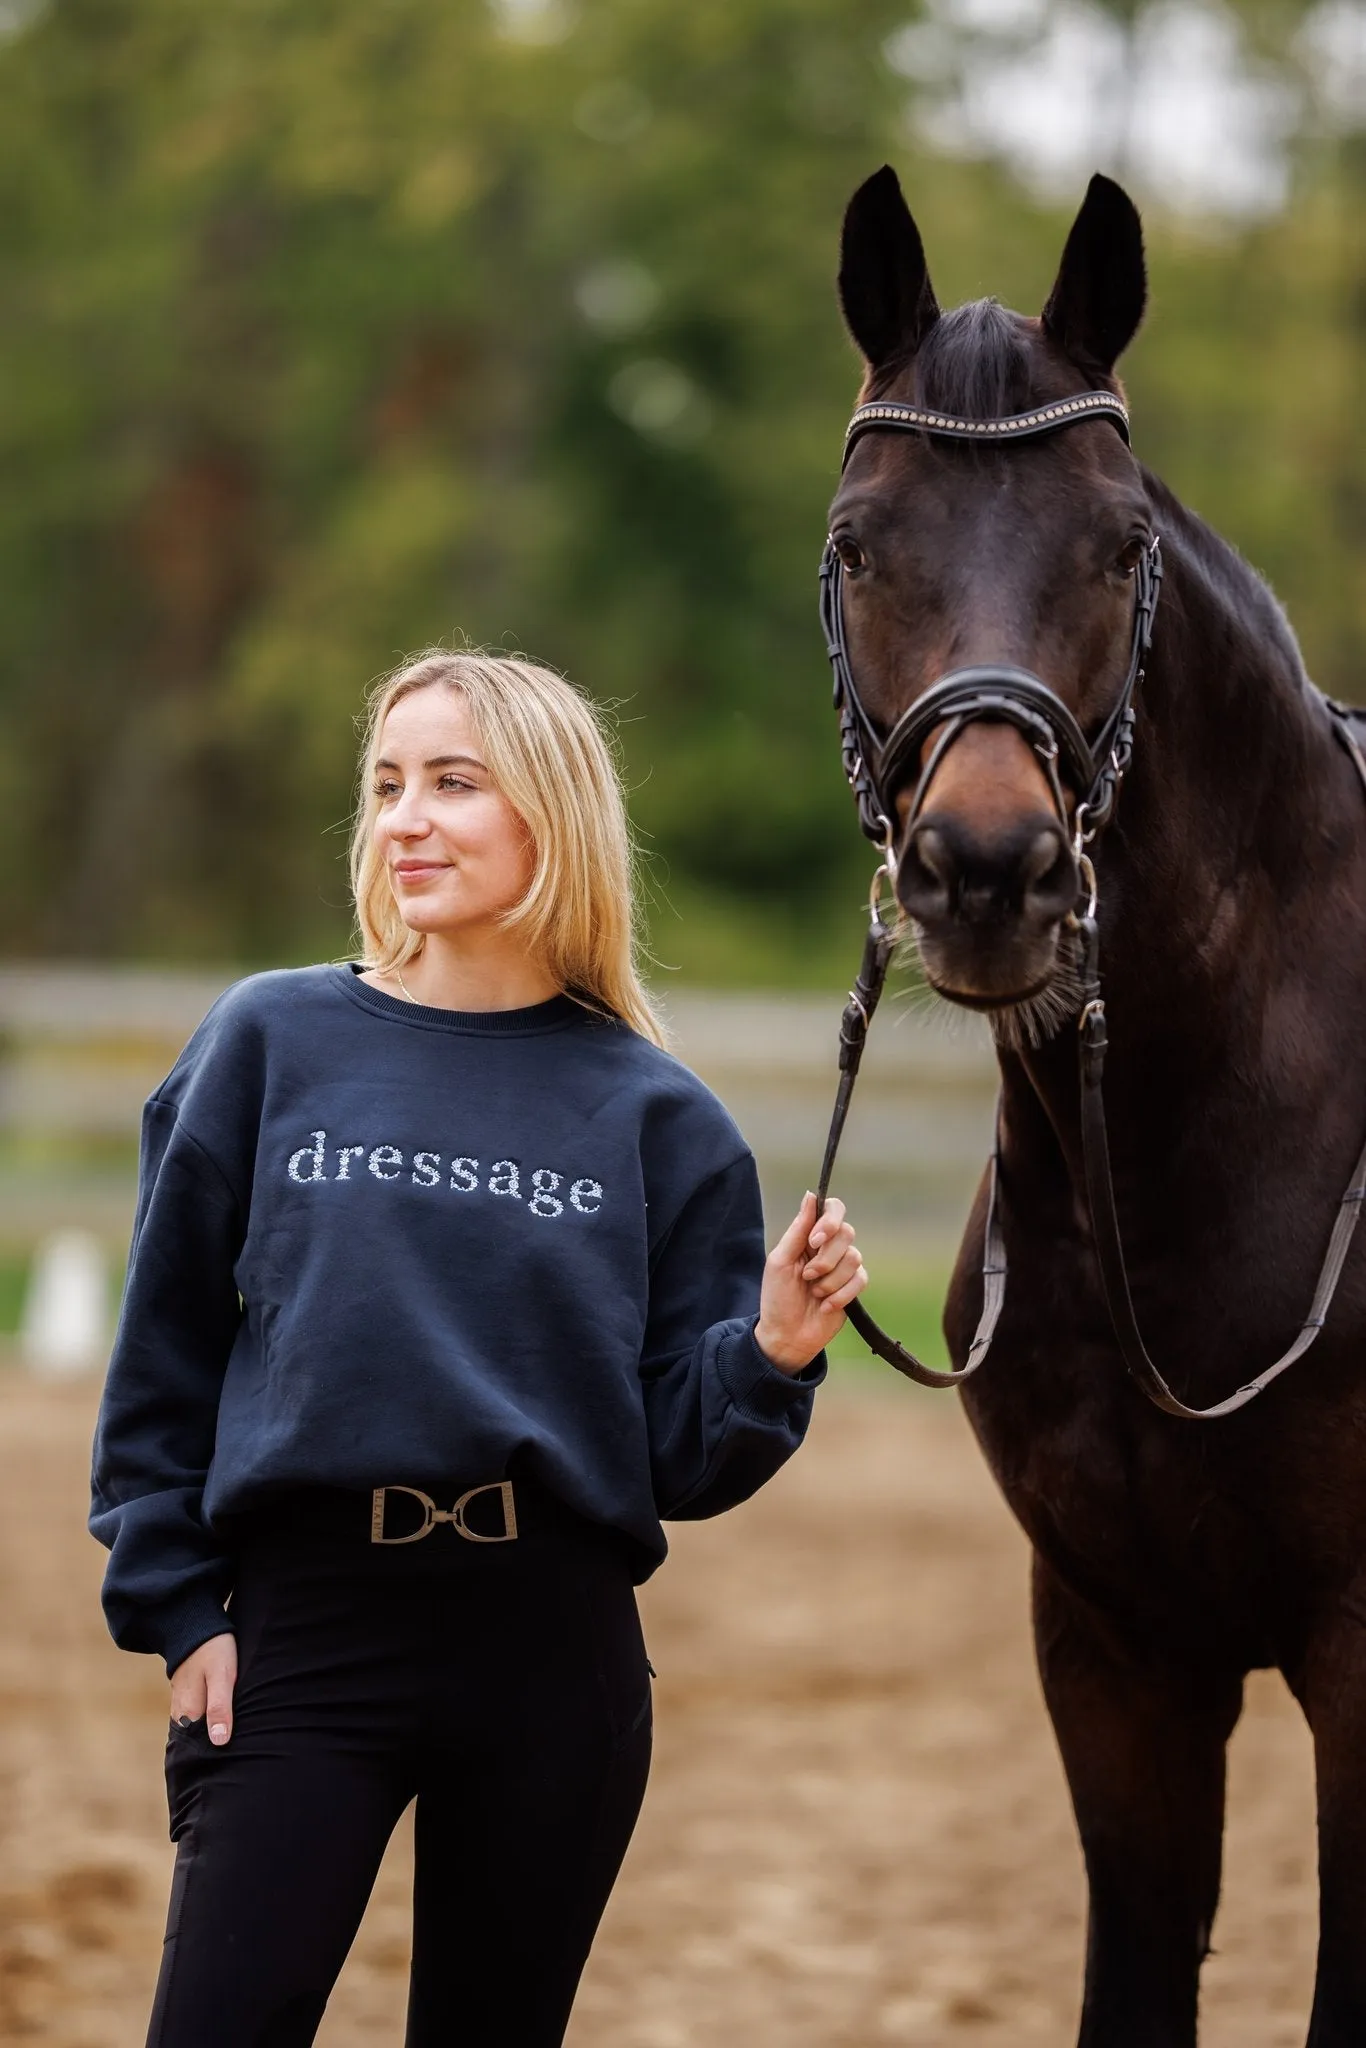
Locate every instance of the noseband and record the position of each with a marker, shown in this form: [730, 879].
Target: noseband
[877, 768]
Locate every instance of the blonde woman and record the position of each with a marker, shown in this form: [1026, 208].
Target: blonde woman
[446, 1284]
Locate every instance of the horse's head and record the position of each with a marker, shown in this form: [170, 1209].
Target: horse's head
[1020, 555]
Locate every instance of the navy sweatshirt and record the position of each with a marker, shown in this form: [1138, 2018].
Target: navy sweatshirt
[378, 1242]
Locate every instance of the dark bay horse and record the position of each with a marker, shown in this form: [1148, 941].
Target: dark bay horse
[1170, 1556]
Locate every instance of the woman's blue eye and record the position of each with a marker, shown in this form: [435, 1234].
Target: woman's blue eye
[383, 789]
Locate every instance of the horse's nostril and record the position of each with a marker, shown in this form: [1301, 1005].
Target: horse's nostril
[925, 873]
[1038, 857]
[929, 849]
[1049, 874]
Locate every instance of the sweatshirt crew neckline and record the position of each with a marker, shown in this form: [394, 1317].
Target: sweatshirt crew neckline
[552, 1015]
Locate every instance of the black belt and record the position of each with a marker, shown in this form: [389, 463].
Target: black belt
[493, 1511]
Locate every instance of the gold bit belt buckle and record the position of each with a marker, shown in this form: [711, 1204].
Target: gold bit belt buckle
[432, 1514]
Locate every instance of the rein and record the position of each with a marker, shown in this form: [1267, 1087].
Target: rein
[875, 768]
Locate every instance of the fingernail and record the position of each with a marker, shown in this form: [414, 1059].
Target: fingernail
[184, 1720]
[218, 1733]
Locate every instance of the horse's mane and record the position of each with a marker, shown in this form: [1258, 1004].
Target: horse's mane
[975, 361]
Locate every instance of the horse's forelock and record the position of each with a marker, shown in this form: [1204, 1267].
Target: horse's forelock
[975, 361]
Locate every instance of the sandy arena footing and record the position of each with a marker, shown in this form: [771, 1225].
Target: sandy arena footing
[857, 1830]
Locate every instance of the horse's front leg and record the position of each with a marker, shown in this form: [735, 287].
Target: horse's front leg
[1330, 1684]
[1143, 1748]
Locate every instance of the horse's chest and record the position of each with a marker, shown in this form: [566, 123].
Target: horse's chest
[1222, 1532]
[1167, 1533]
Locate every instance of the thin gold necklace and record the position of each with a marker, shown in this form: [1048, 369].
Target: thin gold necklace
[404, 986]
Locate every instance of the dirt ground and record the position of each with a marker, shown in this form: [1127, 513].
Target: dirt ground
[856, 1833]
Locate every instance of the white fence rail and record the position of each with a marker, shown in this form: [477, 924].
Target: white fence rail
[82, 1047]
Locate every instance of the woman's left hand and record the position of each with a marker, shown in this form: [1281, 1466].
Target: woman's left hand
[813, 1273]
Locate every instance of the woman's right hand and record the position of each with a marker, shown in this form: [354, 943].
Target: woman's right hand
[202, 1686]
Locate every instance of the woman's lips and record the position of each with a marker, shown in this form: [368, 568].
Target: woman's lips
[420, 874]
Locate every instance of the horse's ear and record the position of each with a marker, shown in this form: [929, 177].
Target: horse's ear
[885, 291]
[1095, 307]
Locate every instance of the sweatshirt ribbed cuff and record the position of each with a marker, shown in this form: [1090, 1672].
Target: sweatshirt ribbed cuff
[186, 1626]
[755, 1384]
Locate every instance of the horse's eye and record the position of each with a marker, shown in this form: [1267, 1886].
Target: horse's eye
[849, 552]
[1130, 555]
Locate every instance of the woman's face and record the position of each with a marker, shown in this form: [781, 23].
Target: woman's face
[456, 853]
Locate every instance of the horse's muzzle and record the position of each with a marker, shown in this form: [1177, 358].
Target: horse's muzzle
[988, 910]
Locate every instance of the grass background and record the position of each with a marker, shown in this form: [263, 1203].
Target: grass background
[908, 1302]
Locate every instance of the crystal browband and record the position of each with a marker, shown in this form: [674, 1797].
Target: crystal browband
[1018, 426]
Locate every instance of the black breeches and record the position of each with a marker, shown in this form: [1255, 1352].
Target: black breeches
[505, 1688]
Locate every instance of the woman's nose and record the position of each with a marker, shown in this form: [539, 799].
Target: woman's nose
[407, 818]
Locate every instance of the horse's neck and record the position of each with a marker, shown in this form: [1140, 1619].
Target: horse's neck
[1228, 841]
[1233, 752]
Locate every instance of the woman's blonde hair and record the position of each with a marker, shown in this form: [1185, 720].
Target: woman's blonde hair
[551, 754]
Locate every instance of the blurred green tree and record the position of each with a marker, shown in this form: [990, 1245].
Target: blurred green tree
[331, 328]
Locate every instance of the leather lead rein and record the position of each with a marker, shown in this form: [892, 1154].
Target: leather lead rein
[874, 768]
[878, 948]
[1093, 1042]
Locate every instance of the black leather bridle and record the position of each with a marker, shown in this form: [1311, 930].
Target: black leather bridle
[877, 768]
